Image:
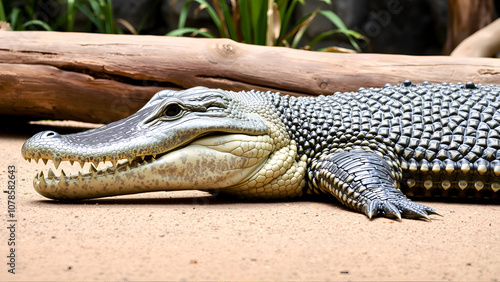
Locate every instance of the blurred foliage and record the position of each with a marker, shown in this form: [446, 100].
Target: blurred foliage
[250, 21]
[262, 23]
[60, 15]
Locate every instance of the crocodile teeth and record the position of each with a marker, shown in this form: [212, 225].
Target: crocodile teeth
[57, 162]
[51, 174]
[92, 170]
[95, 169]
[62, 178]
[42, 179]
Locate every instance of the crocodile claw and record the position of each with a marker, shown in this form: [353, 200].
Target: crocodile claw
[365, 182]
[399, 209]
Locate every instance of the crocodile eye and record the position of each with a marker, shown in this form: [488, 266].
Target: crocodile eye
[172, 110]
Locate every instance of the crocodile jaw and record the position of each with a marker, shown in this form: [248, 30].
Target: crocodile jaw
[214, 162]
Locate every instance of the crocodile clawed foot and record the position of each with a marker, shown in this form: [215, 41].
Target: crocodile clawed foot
[399, 209]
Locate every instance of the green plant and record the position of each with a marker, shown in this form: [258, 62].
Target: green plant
[3, 17]
[262, 22]
[21, 15]
[14, 15]
[98, 12]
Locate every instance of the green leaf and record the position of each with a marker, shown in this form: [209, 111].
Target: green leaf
[354, 43]
[107, 15]
[245, 22]
[37, 22]
[301, 28]
[336, 20]
[183, 15]
[259, 25]
[14, 17]
[321, 36]
[89, 14]
[99, 14]
[332, 17]
[3, 17]
[288, 13]
[107, 10]
[281, 6]
[71, 15]
[211, 12]
[184, 30]
[225, 17]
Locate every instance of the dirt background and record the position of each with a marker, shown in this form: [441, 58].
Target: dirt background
[191, 236]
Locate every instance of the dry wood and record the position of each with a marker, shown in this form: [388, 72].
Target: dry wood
[464, 18]
[101, 78]
[483, 43]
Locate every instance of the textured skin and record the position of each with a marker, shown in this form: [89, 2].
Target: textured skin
[361, 147]
[433, 133]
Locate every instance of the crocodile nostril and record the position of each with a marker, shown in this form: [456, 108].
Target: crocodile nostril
[50, 134]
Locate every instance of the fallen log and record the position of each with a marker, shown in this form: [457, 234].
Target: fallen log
[102, 78]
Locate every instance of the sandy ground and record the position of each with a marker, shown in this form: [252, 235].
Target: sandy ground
[193, 236]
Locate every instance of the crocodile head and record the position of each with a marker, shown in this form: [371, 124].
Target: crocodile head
[198, 138]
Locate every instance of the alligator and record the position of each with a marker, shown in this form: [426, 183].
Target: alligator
[370, 149]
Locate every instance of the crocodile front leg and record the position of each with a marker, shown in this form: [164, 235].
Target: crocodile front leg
[365, 182]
